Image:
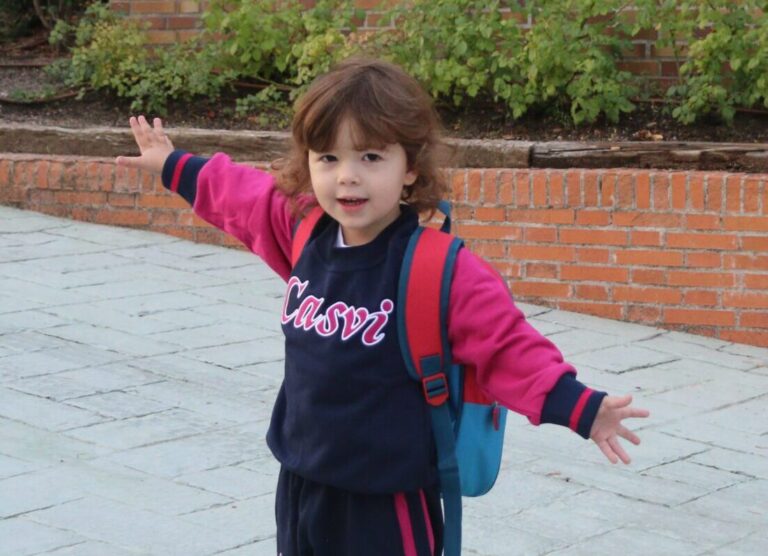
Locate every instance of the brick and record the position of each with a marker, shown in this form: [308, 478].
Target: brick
[89, 198]
[679, 181]
[638, 67]
[647, 220]
[589, 255]
[474, 186]
[121, 199]
[754, 320]
[748, 300]
[593, 237]
[539, 186]
[754, 243]
[643, 190]
[703, 260]
[459, 185]
[150, 7]
[5, 173]
[163, 217]
[573, 188]
[522, 188]
[541, 289]
[595, 293]
[625, 190]
[543, 216]
[746, 223]
[703, 222]
[163, 200]
[608, 311]
[665, 296]
[644, 314]
[745, 262]
[594, 273]
[189, 7]
[508, 270]
[540, 235]
[648, 276]
[593, 217]
[122, 217]
[701, 279]
[22, 173]
[695, 316]
[489, 232]
[541, 270]
[591, 188]
[645, 238]
[702, 241]
[608, 190]
[506, 193]
[660, 191]
[714, 192]
[649, 258]
[702, 298]
[541, 253]
[733, 193]
[556, 189]
[696, 186]
[754, 338]
[182, 22]
[756, 281]
[490, 187]
[492, 214]
[41, 174]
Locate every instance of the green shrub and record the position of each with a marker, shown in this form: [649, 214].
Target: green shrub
[110, 53]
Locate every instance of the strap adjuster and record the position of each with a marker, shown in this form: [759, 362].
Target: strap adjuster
[435, 389]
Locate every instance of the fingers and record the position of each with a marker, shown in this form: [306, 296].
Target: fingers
[627, 434]
[607, 451]
[128, 161]
[613, 442]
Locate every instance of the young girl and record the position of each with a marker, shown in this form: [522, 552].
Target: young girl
[350, 429]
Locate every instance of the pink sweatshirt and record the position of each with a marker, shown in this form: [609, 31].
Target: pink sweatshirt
[516, 365]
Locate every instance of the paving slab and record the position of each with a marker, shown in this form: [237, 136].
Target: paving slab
[138, 372]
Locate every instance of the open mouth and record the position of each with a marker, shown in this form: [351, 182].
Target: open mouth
[349, 202]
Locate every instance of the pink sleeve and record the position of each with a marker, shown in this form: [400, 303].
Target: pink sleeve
[243, 202]
[516, 364]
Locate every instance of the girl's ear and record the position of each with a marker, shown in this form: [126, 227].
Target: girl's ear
[410, 178]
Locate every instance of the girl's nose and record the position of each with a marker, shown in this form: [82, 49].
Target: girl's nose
[348, 174]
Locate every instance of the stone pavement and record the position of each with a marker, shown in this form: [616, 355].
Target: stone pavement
[137, 373]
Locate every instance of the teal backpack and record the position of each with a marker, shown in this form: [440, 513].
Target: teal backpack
[468, 426]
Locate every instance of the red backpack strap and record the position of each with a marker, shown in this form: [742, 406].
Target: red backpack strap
[423, 294]
[303, 231]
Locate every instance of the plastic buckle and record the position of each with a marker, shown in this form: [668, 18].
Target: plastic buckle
[435, 389]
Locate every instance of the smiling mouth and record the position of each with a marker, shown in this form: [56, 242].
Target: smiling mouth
[351, 202]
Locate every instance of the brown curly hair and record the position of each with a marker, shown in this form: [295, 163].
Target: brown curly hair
[385, 106]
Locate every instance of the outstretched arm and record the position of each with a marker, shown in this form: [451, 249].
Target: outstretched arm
[608, 427]
[154, 146]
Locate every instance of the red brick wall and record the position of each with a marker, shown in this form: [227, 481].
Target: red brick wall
[681, 250]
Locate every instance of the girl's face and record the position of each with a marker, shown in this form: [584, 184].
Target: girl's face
[360, 189]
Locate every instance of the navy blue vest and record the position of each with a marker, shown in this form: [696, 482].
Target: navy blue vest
[347, 414]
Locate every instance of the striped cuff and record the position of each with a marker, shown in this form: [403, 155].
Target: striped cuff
[180, 174]
[572, 404]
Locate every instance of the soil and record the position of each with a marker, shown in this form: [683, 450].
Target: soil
[22, 78]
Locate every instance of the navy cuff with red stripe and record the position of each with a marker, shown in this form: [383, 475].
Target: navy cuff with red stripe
[572, 404]
[180, 174]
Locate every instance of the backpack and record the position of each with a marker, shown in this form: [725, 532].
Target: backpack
[468, 427]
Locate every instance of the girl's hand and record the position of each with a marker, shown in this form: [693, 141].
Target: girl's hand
[153, 145]
[607, 426]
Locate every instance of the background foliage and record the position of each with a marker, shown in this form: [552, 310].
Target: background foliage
[464, 51]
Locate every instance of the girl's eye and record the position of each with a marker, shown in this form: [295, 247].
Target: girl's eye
[327, 158]
[371, 157]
